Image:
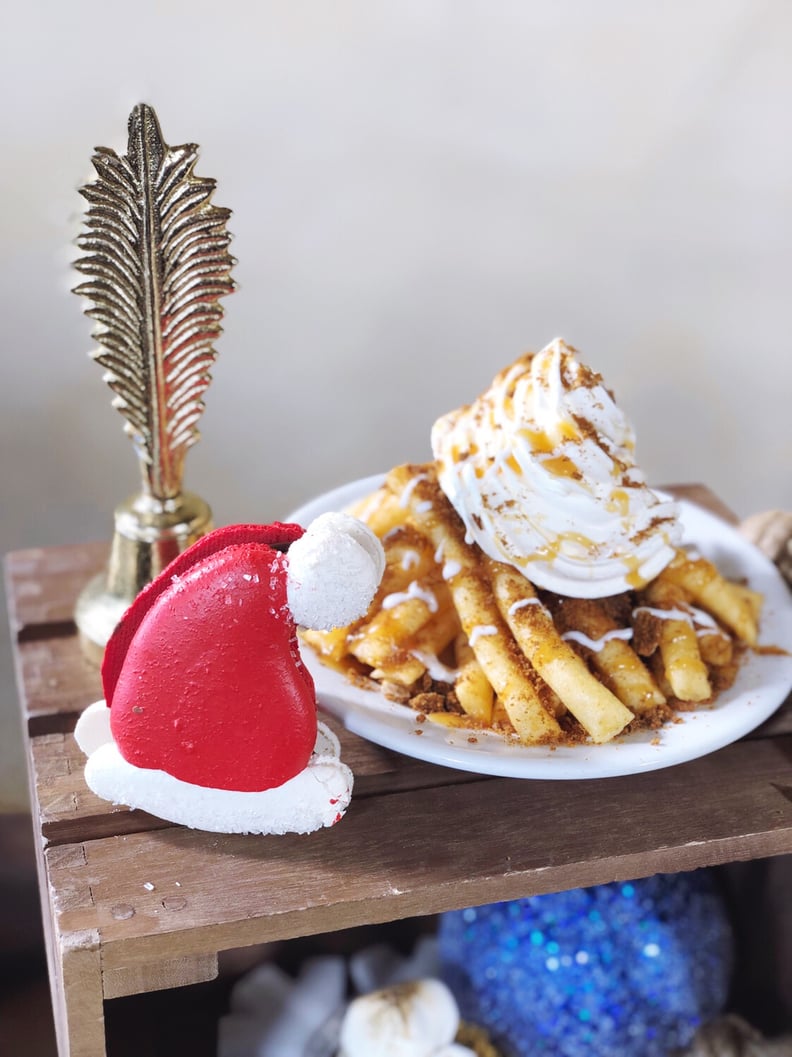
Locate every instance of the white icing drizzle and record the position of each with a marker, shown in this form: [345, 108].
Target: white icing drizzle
[423, 507]
[436, 669]
[438, 554]
[480, 631]
[521, 603]
[450, 570]
[707, 624]
[413, 591]
[410, 559]
[665, 614]
[597, 644]
[691, 616]
[409, 488]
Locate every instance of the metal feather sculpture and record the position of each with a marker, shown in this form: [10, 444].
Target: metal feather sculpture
[156, 264]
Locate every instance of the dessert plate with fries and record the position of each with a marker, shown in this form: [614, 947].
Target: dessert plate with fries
[762, 682]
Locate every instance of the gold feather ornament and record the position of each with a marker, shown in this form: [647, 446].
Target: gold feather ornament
[156, 264]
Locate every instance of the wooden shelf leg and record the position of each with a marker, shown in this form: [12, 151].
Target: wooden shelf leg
[77, 1001]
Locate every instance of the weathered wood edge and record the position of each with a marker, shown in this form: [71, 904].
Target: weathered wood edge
[177, 892]
[36, 613]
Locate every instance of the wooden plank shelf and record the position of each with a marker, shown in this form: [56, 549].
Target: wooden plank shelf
[133, 904]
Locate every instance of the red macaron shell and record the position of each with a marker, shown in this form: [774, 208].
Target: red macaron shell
[212, 689]
[277, 534]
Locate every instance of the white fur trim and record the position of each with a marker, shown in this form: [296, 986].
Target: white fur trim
[326, 744]
[314, 798]
[93, 727]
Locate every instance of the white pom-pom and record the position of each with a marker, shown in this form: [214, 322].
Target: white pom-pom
[334, 570]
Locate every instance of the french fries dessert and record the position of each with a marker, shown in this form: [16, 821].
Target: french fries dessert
[534, 585]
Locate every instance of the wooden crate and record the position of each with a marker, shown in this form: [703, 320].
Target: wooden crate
[132, 904]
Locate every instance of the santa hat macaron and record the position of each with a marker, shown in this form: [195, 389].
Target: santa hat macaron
[212, 715]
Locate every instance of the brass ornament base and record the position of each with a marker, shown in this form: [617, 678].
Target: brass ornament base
[149, 534]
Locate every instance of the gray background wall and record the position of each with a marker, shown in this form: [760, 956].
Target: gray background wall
[422, 191]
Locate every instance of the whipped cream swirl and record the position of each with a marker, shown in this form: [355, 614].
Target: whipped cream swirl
[541, 469]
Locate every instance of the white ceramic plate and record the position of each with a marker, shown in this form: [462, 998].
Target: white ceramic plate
[763, 683]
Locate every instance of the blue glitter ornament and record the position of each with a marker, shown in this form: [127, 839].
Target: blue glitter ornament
[628, 969]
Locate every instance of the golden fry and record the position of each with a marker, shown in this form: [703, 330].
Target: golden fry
[500, 718]
[401, 615]
[685, 670]
[473, 690]
[330, 645]
[478, 613]
[599, 712]
[732, 604]
[380, 511]
[585, 621]
[420, 652]
[717, 649]
[408, 556]
[684, 667]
